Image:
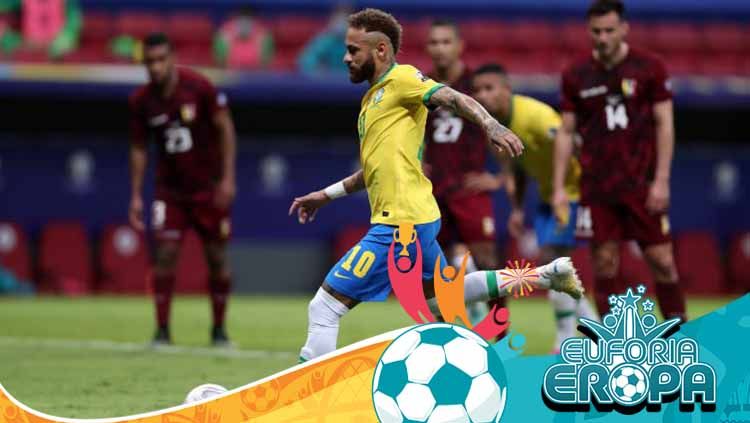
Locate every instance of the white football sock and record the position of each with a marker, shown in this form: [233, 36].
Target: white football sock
[485, 285]
[324, 313]
[477, 286]
[565, 316]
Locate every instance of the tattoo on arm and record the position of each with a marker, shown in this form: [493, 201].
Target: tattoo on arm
[466, 107]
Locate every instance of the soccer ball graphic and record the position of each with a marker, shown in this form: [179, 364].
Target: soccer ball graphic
[439, 373]
[628, 384]
[205, 391]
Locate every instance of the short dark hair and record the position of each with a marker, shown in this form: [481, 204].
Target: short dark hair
[491, 68]
[377, 20]
[603, 7]
[448, 23]
[156, 39]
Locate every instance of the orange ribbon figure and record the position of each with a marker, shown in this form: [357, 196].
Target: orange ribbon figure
[450, 293]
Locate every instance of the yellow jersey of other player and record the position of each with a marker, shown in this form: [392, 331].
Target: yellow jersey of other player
[536, 123]
[391, 129]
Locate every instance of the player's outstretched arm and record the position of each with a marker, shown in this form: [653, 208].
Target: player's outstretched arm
[138, 159]
[500, 136]
[658, 196]
[307, 206]
[563, 153]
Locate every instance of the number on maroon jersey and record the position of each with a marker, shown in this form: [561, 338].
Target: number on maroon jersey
[179, 140]
[617, 116]
[158, 214]
[584, 222]
[447, 129]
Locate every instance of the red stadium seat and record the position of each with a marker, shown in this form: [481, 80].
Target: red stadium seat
[90, 53]
[295, 31]
[722, 64]
[484, 34]
[123, 261]
[677, 37]
[31, 56]
[641, 35]
[738, 263]
[14, 250]
[726, 38]
[192, 270]
[65, 259]
[190, 28]
[699, 262]
[138, 24]
[683, 64]
[195, 55]
[285, 60]
[97, 27]
[415, 56]
[533, 62]
[574, 36]
[475, 58]
[415, 34]
[532, 36]
[347, 238]
[633, 268]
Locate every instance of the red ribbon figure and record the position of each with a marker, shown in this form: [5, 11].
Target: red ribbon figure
[405, 281]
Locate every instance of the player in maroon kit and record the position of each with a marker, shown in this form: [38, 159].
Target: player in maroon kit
[455, 157]
[182, 113]
[618, 99]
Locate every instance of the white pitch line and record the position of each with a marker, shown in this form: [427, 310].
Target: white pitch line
[135, 347]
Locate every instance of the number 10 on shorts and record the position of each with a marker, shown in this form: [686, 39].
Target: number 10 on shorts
[363, 264]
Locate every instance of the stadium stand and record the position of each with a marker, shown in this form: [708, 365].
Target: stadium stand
[699, 262]
[738, 262]
[65, 259]
[533, 45]
[14, 250]
[347, 238]
[123, 261]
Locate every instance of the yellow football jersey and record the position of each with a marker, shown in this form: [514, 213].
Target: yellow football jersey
[536, 124]
[391, 128]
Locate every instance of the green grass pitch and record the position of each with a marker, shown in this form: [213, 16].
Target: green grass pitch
[87, 357]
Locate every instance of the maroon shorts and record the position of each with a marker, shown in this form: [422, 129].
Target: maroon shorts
[624, 219]
[171, 217]
[467, 219]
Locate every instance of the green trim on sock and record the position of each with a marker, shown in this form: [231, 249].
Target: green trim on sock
[492, 288]
[301, 360]
[563, 314]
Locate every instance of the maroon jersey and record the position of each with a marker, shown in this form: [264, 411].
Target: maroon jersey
[453, 145]
[182, 126]
[614, 113]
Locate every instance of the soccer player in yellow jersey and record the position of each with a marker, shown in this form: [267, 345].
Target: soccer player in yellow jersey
[391, 129]
[536, 124]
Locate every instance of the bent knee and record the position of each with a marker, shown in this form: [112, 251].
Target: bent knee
[662, 265]
[606, 261]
